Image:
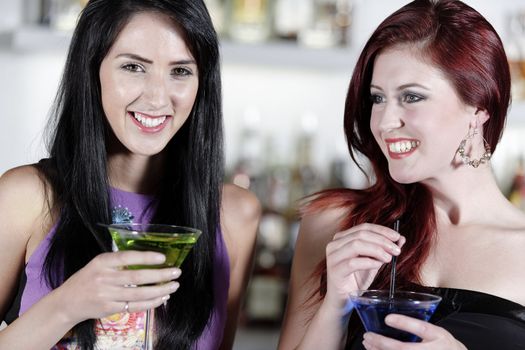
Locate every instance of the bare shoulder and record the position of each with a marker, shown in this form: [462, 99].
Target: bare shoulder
[239, 204]
[240, 216]
[22, 194]
[22, 215]
[316, 231]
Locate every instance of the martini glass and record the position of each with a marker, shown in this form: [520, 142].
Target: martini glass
[374, 305]
[175, 242]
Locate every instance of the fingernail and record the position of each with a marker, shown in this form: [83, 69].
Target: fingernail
[176, 272]
[390, 318]
[160, 258]
[396, 249]
[166, 297]
[174, 286]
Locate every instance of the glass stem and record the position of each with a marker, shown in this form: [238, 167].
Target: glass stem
[148, 328]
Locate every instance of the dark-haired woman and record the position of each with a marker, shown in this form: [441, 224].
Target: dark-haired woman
[137, 138]
[426, 105]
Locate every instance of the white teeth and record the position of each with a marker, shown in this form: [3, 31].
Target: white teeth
[148, 122]
[402, 146]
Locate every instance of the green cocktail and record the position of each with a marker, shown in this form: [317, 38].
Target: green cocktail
[175, 242]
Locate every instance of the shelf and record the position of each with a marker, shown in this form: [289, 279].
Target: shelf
[34, 38]
[288, 55]
[285, 54]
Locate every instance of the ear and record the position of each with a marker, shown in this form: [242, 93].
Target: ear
[479, 118]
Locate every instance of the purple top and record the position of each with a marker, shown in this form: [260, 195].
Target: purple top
[132, 207]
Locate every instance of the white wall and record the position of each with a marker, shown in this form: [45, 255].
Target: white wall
[28, 82]
[11, 11]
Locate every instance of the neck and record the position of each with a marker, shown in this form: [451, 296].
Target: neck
[135, 173]
[469, 195]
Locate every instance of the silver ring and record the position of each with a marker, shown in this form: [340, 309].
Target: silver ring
[126, 307]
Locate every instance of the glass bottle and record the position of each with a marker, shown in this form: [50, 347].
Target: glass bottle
[515, 50]
[216, 10]
[328, 25]
[249, 20]
[63, 14]
[291, 17]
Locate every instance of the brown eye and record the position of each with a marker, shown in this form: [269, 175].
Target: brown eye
[181, 71]
[133, 67]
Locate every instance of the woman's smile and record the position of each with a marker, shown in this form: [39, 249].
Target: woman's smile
[401, 147]
[149, 123]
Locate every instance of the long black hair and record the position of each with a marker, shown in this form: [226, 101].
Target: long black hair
[190, 187]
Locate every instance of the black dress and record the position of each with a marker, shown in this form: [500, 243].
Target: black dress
[478, 320]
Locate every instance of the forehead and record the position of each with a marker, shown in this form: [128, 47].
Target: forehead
[151, 31]
[405, 64]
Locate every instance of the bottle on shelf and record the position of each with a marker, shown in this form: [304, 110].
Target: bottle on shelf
[305, 178]
[515, 50]
[63, 14]
[291, 17]
[329, 24]
[249, 21]
[248, 170]
[216, 8]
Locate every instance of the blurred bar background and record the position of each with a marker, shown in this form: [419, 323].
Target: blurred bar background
[286, 65]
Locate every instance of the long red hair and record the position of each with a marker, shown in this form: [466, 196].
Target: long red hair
[460, 42]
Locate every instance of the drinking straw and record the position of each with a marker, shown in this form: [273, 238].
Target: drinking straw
[393, 268]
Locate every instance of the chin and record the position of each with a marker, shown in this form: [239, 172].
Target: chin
[148, 151]
[403, 178]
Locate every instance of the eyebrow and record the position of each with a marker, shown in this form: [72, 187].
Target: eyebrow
[404, 86]
[145, 60]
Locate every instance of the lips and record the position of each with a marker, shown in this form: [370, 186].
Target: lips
[401, 147]
[149, 123]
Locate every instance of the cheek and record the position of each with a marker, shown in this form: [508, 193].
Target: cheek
[118, 93]
[184, 96]
[374, 127]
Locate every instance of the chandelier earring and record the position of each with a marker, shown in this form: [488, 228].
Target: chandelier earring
[466, 159]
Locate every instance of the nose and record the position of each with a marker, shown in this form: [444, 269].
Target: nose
[390, 117]
[156, 93]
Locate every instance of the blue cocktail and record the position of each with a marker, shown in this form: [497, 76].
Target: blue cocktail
[373, 306]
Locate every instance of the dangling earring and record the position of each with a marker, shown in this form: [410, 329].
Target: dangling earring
[466, 159]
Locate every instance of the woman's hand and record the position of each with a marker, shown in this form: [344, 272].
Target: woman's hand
[104, 287]
[354, 257]
[433, 337]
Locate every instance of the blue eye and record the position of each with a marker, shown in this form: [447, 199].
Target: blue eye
[376, 99]
[412, 98]
[133, 67]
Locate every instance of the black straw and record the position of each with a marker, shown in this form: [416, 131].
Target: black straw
[393, 268]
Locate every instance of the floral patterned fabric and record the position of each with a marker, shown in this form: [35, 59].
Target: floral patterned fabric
[118, 331]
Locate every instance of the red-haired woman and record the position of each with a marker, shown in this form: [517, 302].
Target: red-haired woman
[426, 105]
